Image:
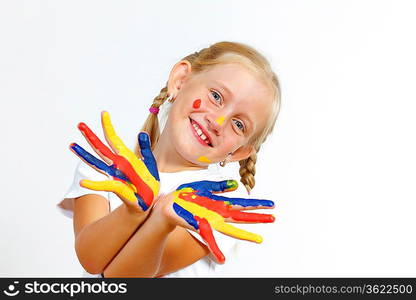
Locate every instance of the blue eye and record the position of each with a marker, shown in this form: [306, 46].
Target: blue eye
[217, 99]
[239, 124]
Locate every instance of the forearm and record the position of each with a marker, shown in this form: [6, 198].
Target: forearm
[142, 255]
[98, 242]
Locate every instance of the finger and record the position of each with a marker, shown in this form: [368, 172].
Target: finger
[217, 221]
[238, 233]
[148, 158]
[186, 215]
[139, 167]
[202, 226]
[224, 209]
[241, 203]
[207, 235]
[117, 187]
[211, 186]
[244, 217]
[110, 134]
[95, 163]
[102, 150]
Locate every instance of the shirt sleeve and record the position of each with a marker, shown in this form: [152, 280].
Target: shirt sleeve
[82, 171]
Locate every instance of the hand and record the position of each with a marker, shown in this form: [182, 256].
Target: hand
[197, 208]
[136, 181]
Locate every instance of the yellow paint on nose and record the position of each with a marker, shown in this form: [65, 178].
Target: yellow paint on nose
[204, 159]
[220, 120]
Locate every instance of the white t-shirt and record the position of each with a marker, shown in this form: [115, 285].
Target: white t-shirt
[205, 267]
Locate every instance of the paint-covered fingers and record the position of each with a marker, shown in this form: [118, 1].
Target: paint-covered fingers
[242, 203]
[102, 150]
[223, 208]
[205, 231]
[117, 144]
[96, 163]
[244, 217]
[117, 187]
[215, 213]
[147, 154]
[110, 134]
[141, 177]
[211, 186]
[202, 227]
[238, 233]
[123, 190]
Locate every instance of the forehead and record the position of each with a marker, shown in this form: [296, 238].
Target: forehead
[250, 94]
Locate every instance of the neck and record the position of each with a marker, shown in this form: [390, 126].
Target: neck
[169, 160]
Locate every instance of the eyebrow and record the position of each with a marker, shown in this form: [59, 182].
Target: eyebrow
[224, 87]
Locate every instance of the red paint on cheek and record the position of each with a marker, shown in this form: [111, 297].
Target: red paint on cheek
[197, 103]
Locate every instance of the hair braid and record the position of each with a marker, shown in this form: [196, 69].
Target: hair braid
[248, 170]
[151, 125]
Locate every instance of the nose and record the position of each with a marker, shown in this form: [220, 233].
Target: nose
[213, 124]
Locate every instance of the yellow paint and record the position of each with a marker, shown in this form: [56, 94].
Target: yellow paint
[204, 159]
[220, 120]
[193, 197]
[216, 220]
[121, 189]
[121, 149]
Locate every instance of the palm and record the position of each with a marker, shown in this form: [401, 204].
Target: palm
[197, 205]
[134, 180]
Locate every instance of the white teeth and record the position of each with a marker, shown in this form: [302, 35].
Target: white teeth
[199, 132]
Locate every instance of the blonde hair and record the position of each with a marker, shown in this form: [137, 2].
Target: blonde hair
[222, 53]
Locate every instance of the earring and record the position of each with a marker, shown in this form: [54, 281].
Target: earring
[170, 98]
[224, 162]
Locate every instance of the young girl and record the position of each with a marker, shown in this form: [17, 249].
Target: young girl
[223, 103]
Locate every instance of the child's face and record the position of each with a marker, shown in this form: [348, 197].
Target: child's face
[207, 122]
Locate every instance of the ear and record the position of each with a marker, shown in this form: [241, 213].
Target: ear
[242, 153]
[178, 76]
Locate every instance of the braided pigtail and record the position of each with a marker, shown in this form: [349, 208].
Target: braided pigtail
[248, 170]
[151, 125]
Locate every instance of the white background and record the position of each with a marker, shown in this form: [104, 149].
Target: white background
[340, 164]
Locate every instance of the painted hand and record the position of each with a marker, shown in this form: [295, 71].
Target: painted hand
[134, 180]
[202, 210]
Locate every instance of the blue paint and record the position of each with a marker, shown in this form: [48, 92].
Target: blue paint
[238, 201]
[149, 159]
[141, 202]
[210, 186]
[186, 215]
[99, 164]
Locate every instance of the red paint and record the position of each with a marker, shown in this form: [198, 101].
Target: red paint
[197, 103]
[119, 162]
[226, 210]
[205, 231]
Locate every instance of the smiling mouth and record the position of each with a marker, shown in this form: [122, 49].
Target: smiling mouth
[200, 134]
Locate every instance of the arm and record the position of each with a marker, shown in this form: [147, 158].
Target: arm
[159, 247]
[162, 245]
[99, 235]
